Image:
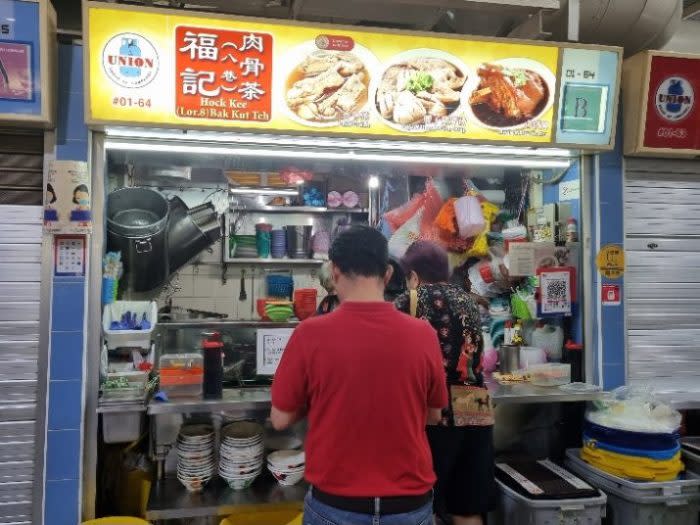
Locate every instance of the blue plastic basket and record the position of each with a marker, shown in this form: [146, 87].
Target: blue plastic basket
[280, 286]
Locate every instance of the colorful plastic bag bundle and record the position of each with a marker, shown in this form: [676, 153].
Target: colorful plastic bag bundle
[630, 435]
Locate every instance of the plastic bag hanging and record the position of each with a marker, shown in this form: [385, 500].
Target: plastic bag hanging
[470, 217]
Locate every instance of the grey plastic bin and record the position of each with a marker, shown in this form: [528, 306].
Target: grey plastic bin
[642, 503]
[515, 509]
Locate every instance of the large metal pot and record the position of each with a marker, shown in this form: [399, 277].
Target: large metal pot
[136, 226]
[298, 241]
[190, 231]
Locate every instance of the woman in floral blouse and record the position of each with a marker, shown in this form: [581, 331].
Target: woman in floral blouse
[462, 444]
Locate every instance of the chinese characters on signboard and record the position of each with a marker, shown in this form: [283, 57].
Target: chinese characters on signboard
[222, 74]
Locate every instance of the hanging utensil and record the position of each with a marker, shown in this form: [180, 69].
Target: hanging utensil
[243, 295]
[252, 291]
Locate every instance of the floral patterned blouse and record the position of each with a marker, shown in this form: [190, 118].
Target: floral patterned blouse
[455, 317]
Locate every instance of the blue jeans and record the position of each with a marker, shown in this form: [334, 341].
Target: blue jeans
[317, 513]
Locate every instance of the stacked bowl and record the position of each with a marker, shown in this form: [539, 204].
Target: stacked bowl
[195, 456]
[305, 302]
[287, 466]
[263, 238]
[279, 311]
[278, 248]
[241, 454]
[245, 247]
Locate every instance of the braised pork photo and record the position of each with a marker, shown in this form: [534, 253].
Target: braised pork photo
[508, 96]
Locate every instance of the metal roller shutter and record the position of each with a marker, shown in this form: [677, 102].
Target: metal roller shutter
[662, 282]
[21, 160]
[21, 167]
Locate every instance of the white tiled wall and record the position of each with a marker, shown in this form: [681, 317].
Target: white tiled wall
[201, 286]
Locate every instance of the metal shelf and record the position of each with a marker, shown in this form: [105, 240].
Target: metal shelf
[277, 262]
[304, 209]
[169, 500]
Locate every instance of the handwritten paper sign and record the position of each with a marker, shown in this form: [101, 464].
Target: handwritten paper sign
[271, 343]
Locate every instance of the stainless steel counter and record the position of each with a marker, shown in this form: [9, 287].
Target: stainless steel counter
[224, 323]
[251, 399]
[244, 399]
[169, 499]
[522, 393]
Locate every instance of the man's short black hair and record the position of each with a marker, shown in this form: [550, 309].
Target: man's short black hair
[360, 251]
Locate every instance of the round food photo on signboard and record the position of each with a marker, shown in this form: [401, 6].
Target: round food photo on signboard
[420, 89]
[323, 87]
[511, 93]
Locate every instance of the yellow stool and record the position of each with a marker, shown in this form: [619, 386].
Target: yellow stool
[117, 520]
[282, 514]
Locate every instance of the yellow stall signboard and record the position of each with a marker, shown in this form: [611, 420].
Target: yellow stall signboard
[162, 68]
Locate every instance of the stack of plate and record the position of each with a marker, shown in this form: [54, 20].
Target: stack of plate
[241, 454]
[195, 456]
[287, 466]
[279, 244]
[246, 247]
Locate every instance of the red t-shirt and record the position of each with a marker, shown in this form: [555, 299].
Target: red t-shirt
[367, 374]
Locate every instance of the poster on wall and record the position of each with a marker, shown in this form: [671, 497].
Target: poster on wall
[27, 44]
[67, 207]
[16, 71]
[167, 69]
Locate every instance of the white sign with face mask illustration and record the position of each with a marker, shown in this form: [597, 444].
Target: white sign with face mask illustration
[67, 206]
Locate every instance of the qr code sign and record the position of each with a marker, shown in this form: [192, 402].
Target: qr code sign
[555, 289]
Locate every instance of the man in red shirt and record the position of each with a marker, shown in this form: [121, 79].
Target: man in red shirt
[368, 378]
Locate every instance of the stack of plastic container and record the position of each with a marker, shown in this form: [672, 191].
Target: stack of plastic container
[641, 456]
[181, 375]
[631, 435]
[631, 451]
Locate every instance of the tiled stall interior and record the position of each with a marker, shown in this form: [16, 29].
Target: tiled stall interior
[203, 285]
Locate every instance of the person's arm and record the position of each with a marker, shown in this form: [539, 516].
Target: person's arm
[434, 416]
[282, 420]
[437, 382]
[289, 389]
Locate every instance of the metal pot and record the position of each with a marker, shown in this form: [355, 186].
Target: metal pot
[136, 226]
[190, 231]
[298, 241]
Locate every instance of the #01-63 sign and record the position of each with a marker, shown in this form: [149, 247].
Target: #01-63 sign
[167, 69]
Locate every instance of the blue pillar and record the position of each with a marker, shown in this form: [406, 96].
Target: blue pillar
[64, 426]
[608, 228]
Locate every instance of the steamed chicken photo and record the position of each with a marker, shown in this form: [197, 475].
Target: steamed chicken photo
[419, 91]
[508, 96]
[327, 86]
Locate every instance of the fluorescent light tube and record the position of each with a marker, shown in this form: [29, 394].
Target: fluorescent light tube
[262, 191]
[350, 155]
[251, 140]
